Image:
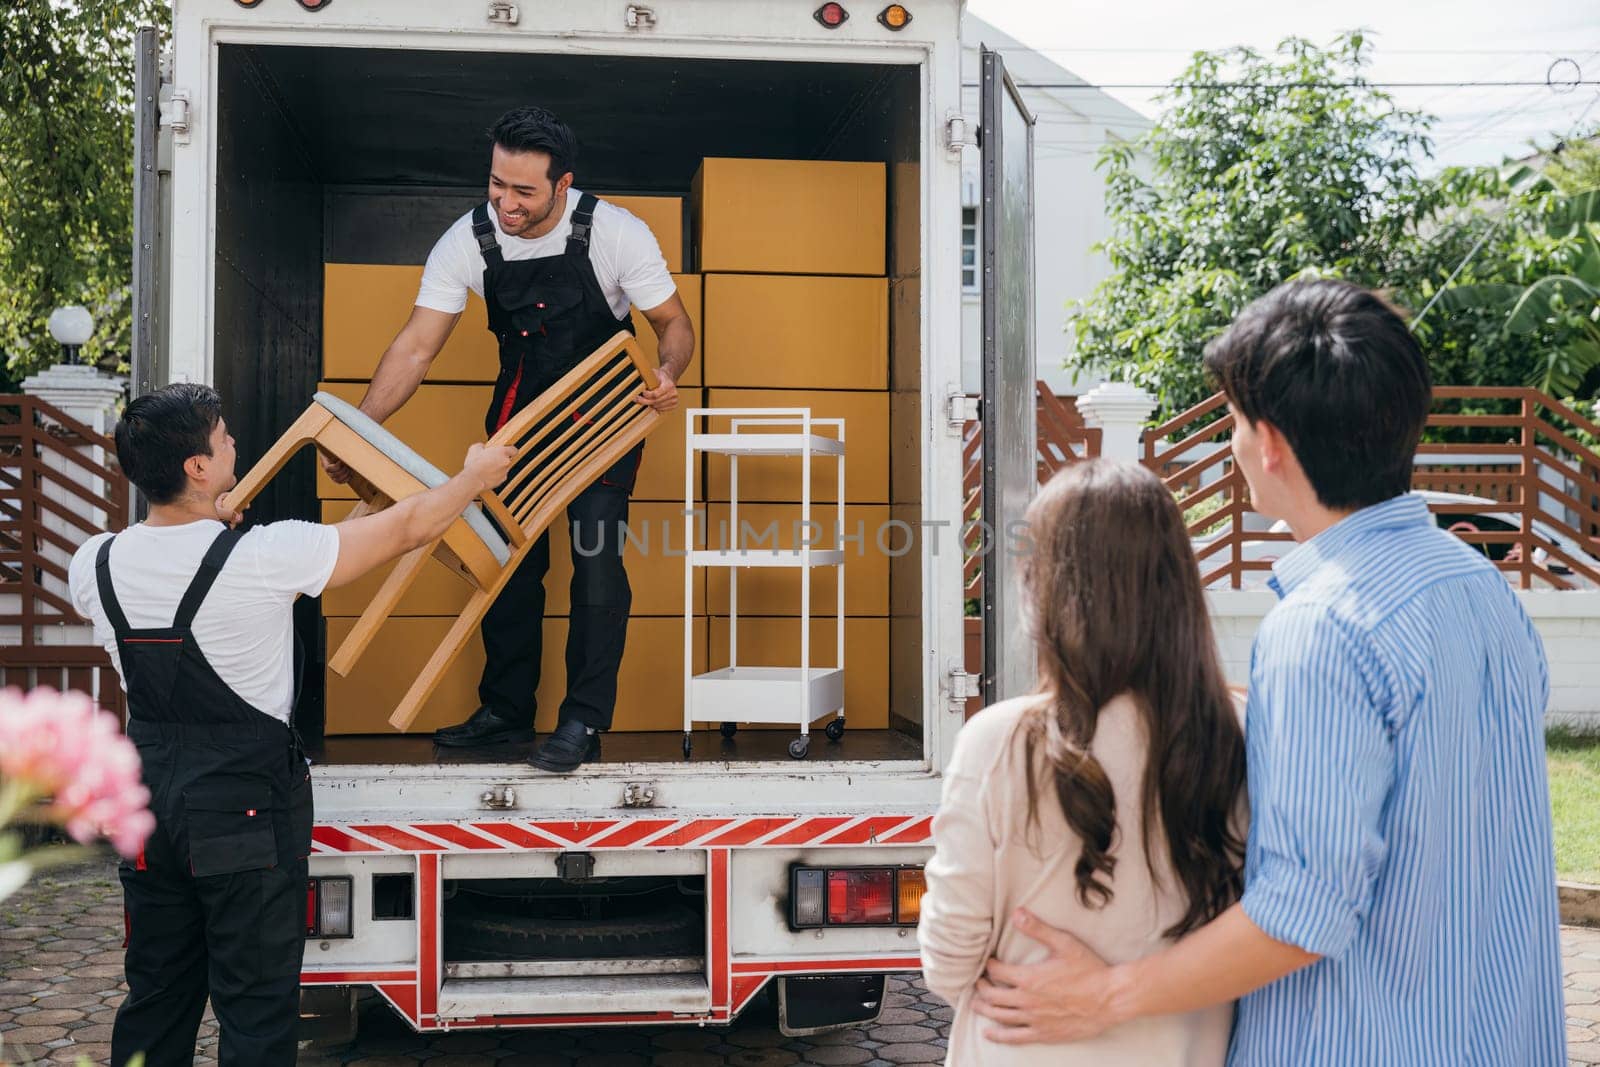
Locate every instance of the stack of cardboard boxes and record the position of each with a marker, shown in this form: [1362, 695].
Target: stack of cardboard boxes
[791, 310]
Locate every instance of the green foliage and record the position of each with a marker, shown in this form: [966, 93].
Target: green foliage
[1264, 169]
[66, 171]
[1574, 762]
[1261, 169]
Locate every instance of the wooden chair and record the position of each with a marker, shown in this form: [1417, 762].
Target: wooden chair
[565, 439]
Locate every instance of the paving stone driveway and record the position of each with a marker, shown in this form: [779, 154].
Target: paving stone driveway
[61, 982]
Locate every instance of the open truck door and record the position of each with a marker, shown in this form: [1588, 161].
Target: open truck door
[152, 164]
[1007, 406]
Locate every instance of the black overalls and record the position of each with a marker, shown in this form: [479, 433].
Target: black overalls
[216, 902]
[548, 314]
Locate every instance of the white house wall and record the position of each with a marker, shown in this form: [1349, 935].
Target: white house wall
[1069, 194]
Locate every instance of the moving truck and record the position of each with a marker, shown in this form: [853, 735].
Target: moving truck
[800, 166]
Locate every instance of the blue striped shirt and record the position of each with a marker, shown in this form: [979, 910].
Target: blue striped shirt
[1400, 813]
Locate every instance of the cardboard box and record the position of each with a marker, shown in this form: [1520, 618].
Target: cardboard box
[439, 422]
[782, 331]
[655, 532]
[783, 216]
[775, 642]
[664, 216]
[661, 470]
[776, 590]
[649, 687]
[689, 290]
[365, 304]
[777, 478]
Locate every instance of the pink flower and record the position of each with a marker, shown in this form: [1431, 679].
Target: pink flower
[60, 746]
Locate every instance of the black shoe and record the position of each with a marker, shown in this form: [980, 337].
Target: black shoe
[485, 727]
[570, 745]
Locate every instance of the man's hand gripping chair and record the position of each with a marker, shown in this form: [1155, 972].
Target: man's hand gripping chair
[565, 439]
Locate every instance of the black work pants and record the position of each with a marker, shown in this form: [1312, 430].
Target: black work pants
[513, 628]
[237, 938]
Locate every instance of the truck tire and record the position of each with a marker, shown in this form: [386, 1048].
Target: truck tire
[675, 931]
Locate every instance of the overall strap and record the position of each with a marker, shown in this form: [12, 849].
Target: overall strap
[483, 230]
[210, 567]
[108, 595]
[582, 223]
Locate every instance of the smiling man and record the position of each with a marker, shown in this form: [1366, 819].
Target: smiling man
[558, 270]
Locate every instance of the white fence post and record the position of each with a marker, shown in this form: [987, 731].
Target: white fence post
[1119, 411]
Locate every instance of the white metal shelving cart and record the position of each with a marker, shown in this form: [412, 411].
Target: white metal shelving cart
[753, 693]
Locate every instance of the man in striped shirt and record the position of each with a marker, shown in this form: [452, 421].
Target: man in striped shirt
[1400, 902]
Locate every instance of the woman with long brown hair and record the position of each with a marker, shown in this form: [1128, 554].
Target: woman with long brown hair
[1110, 801]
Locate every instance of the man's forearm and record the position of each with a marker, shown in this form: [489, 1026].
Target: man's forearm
[677, 348]
[1222, 961]
[399, 373]
[426, 516]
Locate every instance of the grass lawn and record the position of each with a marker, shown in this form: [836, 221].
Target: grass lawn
[1575, 798]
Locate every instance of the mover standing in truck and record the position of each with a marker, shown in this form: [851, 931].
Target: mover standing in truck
[197, 618]
[557, 269]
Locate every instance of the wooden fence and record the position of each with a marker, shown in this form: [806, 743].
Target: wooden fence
[48, 507]
[1521, 453]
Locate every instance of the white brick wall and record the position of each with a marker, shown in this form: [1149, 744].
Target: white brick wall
[1569, 622]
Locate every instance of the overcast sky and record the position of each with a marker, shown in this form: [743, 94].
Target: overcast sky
[1416, 41]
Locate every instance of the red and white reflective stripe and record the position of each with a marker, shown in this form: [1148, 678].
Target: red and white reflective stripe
[763, 831]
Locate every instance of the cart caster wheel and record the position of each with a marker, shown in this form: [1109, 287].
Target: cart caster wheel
[834, 729]
[798, 747]
[729, 729]
[688, 746]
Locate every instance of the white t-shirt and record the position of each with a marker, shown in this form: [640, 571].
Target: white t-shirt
[627, 260]
[245, 624]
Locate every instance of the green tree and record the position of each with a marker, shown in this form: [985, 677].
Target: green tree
[1262, 168]
[66, 171]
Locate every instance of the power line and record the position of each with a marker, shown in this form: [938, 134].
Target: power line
[1542, 84]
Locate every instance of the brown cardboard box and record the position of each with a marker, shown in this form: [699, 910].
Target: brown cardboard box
[776, 590]
[440, 422]
[661, 470]
[365, 304]
[866, 465]
[784, 331]
[649, 688]
[784, 216]
[689, 290]
[775, 642]
[654, 573]
[664, 216]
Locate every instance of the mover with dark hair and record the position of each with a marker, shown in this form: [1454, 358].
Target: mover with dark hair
[197, 617]
[557, 269]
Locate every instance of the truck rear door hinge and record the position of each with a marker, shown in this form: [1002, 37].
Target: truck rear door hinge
[638, 794]
[958, 132]
[960, 409]
[963, 687]
[175, 114]
[504, 14]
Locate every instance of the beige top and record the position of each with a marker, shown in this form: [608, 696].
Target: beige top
[990, 859]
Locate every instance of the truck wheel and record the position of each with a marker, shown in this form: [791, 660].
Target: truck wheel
[834, 729]
[678, 931]
[688, 746]
[798, 747]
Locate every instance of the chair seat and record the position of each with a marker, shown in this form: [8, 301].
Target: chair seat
[407, 460]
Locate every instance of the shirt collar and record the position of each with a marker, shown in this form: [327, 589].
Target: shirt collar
[1408, 509]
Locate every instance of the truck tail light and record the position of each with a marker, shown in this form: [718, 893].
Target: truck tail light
[855, 896]
[831, 15]
[328, 907]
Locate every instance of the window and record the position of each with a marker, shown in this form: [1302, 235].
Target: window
[969, 249]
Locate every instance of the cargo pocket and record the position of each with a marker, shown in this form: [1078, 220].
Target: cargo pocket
[230, 828]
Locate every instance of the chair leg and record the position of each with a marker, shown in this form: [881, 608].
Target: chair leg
[405, 573]
[443, 657]
[304, 430]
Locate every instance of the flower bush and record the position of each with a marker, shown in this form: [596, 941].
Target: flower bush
[63, 761]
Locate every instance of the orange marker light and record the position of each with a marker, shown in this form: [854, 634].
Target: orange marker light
[895, 16]
[910, 885]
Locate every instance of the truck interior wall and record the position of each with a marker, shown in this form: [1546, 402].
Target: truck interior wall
[267, 314]
[365, 156]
